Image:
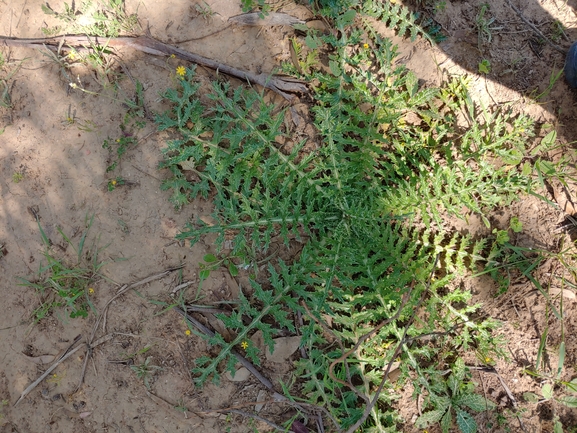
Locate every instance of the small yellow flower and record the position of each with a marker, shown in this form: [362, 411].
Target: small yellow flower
[365, 46]
[90, 290]
[113, 181]
[72, 55]
[244, 345]
[172, 56]
[187, 332]
[118, 140]
[181, 71]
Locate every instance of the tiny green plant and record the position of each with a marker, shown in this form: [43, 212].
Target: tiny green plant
[17, 177]
[115, 183]
[557, 31]
[119, 147]
[5, 101]
[205, 11]
[133, 121]
[568, 397]
[484, 66]
[553, 79]
[67, 283]
[212, 263]
[453, 397]
[259, 5]
[485, 27]
[105, 19]
[145, 371]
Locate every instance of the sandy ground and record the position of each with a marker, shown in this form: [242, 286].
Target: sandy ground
[63, 167]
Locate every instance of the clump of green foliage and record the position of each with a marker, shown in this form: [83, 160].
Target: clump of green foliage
[95, 19]
[132, 122]
[369, 204]
[65, 284]
[453, 395]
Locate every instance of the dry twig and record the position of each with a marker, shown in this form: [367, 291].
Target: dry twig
[149, 45]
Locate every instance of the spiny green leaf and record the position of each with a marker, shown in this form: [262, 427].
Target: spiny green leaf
[568, 400]
[465, 421]
[475, 402]
[547, 391]
[447, 421]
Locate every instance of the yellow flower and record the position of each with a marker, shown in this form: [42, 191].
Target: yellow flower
[244, 345]
[365, 46]
[187, 332]
[90, 290]
[113, 181]
[180, 71]
[172, 56]
[72, 55]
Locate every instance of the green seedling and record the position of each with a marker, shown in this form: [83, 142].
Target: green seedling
[304, 64]
[145, 371]
[485, 66]
[212, 263]
[115, 183]
[104, 19]
[260, 5]
[205, 11]
[5, 101]
[18, 177]
[485, 27]
[6, 84]
[553, 79]
[567, 399]
[66, 283]
[121, 145]
[454, 397]
[557, 31]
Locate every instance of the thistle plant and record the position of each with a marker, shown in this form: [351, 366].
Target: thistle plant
[368, 202]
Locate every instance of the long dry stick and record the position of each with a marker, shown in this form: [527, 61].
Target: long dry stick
[535, 29]
[67, 354]
[245, 362]
[149, 45]
[250, 367]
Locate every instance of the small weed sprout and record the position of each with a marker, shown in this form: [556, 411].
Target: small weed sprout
[205, 11]
[558, 31]
[18, 177]
[115, 183]
[105, 19]
[453, 397]
[64, 283]
[485, 27]
[485, 66]
[259, 5]
[145, 371]
[133, 120]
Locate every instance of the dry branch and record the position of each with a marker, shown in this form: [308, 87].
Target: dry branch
[149, 45]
